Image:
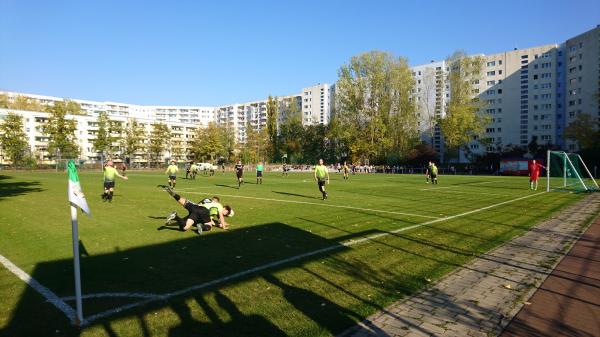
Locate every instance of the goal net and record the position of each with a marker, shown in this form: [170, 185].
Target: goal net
[568, 172]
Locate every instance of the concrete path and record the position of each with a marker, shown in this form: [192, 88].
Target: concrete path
[481, 297]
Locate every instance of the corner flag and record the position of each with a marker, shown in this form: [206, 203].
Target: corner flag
[76, 196]
[76, 199]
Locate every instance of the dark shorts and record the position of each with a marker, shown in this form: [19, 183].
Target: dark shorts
[321, 183]
[172, 177]
[109, 184]
[433, 175]
[239, 174]
[259, 174]
[197, 213]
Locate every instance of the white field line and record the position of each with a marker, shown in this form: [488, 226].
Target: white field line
[246, 272]
[104, 295]
[194, 188]
[47, 293]
[459, 185]
[324, 204]
[467, 192]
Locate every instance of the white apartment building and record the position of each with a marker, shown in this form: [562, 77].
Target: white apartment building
[529, 93]
[431, 94]
[238, 116]
[523, 94]
[176, 114]
[582, 78]
[233, 116]
[316, 104]
[182, 135]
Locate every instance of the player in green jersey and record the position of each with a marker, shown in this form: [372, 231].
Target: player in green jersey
[172, 172]
[217, 211]
[322, 177]
[432, 172]
[109, 180]
[259, 173]
[193, 170]
[203, 215]
[346, 170]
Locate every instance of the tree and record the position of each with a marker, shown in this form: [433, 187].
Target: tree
[422, 153]
[314, 143]
[72, 107]
[374, 110]
[133, 140]
[427, 101]
[104, 139]
[585, 131]
[228, 142]
[61, 133]
[208, 143]
[256, 146]
[291, 132]
[4, 101]
[272, 116]
[533, 146]
[159, 141]
[13, 139]
[177, 148]
[464, 121]
[290, 108]
[115, 130]
[26, 104]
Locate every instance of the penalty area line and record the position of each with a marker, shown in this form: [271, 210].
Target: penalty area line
[37, 286]
[460, 185]
[263, 267]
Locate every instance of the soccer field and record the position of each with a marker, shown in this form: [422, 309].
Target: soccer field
[291, 264]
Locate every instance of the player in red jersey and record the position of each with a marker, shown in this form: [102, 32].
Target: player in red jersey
[534, 173]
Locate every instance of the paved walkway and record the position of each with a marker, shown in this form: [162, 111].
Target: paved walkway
[568, 302]
[481, 297]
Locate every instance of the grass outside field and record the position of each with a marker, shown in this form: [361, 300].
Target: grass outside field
[318, 295]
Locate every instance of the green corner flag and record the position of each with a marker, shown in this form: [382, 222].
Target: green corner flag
[76, 196]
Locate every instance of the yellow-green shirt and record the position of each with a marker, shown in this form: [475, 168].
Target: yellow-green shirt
[321, 171]
[214, 208]
[109, 173]
[172, 170]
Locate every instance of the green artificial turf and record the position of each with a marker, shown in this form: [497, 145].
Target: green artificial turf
[321, 294]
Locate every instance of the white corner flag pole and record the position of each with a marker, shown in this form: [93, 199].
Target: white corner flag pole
[77, 200]
[75, 232]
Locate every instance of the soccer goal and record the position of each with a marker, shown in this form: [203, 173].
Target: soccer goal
[568, 172]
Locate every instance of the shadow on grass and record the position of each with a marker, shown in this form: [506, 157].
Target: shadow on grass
[170, 273]
[228, 186]
[297, 195]
[10, 189]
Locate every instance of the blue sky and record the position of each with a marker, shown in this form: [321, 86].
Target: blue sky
[219, 52]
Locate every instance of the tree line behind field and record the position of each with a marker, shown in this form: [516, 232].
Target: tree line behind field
[378, 117]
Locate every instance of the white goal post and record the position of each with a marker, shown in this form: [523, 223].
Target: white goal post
[568, 171]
